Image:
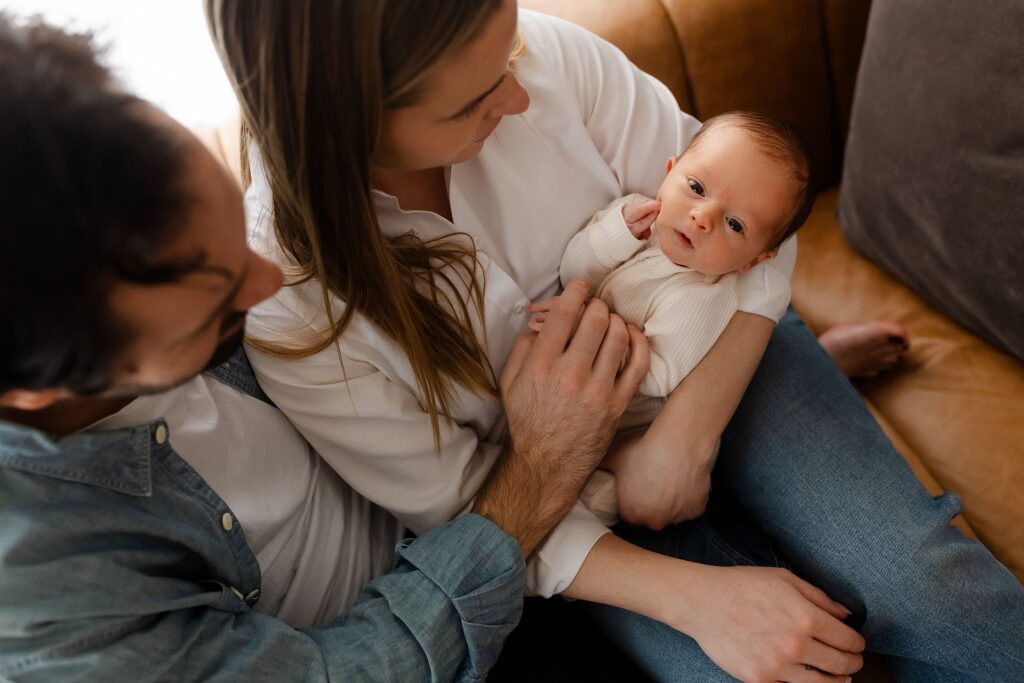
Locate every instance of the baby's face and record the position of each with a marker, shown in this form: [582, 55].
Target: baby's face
[723, 202]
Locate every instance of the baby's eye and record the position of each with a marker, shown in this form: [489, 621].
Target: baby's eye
[734, 224]
[697, 188]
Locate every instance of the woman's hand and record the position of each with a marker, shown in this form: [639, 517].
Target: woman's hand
[657, 483]
[766, 624]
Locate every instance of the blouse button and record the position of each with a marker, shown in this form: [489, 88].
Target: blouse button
[518, 310]
[227, 521]
[160, 435]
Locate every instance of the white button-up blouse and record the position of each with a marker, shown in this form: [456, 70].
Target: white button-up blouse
[597, 128]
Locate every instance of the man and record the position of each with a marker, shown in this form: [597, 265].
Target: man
[157, 524]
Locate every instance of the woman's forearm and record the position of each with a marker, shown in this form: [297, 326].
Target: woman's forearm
[698, 410]
[620, 574]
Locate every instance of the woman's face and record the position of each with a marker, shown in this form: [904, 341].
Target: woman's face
[462, 103]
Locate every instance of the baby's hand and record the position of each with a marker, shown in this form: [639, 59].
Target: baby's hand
[640, 215]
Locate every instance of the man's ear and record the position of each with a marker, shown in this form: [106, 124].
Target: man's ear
[669, 164]
[760, 258]
[32, 399]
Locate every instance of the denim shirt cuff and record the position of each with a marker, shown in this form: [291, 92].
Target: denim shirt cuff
[481, 570]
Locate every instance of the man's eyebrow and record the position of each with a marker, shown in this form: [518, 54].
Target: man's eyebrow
[478, 100]
[225, 302]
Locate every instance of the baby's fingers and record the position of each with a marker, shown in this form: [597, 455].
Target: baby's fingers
[635, 211]
[541, 306]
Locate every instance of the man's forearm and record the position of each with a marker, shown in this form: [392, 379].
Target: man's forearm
[525, 501]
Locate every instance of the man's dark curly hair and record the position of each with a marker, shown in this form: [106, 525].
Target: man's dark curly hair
[89, 195]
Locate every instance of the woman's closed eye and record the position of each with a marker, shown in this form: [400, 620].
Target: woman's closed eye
[734, 225]
[697, 188]
[466, 113]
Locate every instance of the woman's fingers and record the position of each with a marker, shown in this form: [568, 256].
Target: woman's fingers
[830, 660]
[801, 674]
[819, 598]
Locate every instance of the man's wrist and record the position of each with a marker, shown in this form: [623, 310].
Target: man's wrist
[523, 502]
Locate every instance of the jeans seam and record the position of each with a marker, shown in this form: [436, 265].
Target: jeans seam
[736, 556]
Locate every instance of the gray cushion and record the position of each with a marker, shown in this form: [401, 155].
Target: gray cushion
[933, 182]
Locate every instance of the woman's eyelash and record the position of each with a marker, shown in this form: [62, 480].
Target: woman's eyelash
[462, 116]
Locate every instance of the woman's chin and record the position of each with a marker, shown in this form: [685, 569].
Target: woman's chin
[469, 152]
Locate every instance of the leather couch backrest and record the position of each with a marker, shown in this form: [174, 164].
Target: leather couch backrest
[796, 59]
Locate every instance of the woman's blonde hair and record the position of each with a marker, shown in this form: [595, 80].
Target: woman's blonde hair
[314, 80]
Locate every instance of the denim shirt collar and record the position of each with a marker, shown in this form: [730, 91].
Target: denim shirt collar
[119, 460]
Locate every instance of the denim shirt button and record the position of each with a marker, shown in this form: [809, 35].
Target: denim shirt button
[227, 521]
[160, 435]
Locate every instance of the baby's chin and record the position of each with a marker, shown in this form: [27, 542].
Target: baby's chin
[699, 266]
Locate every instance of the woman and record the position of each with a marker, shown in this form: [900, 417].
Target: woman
[419, 169]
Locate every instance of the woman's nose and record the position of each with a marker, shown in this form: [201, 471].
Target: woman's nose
[513, 100]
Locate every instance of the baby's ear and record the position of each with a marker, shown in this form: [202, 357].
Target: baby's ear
[760, 258]
[669, 164]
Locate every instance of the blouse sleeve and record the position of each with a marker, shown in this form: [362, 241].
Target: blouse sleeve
[376, 436]
[372, 431]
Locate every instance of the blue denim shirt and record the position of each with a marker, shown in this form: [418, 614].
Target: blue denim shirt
[119, 563]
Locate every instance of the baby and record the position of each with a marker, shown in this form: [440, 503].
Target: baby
[670, 265]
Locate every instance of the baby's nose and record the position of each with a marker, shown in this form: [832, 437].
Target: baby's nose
[701, 220]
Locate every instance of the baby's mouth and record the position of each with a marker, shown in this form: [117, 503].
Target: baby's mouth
[685, 240]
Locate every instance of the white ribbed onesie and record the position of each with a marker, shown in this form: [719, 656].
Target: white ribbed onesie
[681, 311]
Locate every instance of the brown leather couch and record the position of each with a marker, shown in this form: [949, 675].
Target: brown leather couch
[955, 409]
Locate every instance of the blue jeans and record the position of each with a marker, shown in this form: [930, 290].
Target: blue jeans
[820, 489]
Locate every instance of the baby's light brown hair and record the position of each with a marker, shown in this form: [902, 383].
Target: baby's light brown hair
[779, 140]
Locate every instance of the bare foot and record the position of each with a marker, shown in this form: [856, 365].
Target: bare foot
[866, 349]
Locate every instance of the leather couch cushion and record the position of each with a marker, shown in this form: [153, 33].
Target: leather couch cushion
[934, 169]
[953, 408]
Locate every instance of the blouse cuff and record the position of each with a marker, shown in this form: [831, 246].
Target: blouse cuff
[560, 557]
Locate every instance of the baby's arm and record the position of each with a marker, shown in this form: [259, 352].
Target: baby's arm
[683, 328]
[611, 237]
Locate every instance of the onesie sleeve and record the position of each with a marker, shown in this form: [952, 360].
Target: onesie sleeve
[601, 246]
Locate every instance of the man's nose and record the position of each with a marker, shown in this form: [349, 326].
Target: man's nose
[262, 280]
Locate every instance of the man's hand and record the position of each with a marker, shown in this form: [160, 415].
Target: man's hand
[640, 215]
[659, 484]
[564, 395]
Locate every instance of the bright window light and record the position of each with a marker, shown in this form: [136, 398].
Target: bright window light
[159, 48]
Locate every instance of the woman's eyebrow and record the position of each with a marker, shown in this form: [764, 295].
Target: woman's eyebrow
[480, 99]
